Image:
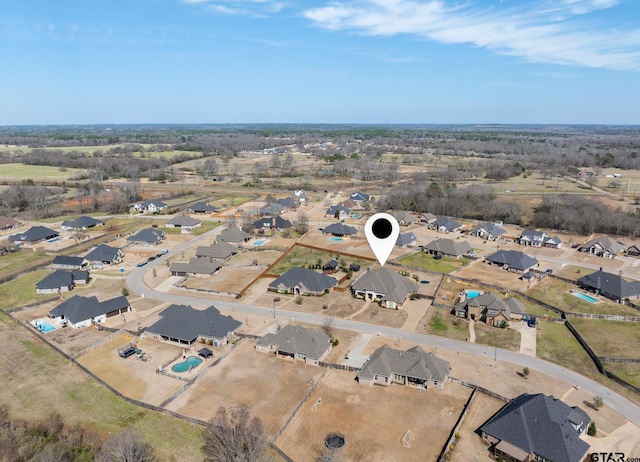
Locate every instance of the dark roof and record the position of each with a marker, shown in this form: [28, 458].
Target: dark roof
[183, 220]
[339, 229]
[540, 424]
[147, 235]
[61, 278]
[205, 352]
[606, 244]
[414, 362]
[338, 208]
[7, 223]
[82, 222]
[331, 264]
[489, 228]
[293, 339]
[447, 223]
[202, 265]
[533, 235]
[449, 247]
[186, 323]
[233, 234]
[359, 196]
[393, 286]
[202, 207]
[309, 279]
[287, 202]
[272, 209]
[103, 253]
[79, 308]
[221, 250]
[610, 284]
[403, 215]
[65, 260]
[156, 202]
[406, 239]
[490, 301]
[513, 259]
[33, 234]
[272, 222]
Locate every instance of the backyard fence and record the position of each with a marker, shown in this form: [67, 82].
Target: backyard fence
[450, 445]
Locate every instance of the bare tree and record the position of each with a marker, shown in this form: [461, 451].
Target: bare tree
[598, 402]
[234, 437]
[328, 325]
[125, 446]
[301, 223]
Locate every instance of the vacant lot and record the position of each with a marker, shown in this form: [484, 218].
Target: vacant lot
[38, 172]
[626, 371]
[427, 262]
[272, 387]
[470, 444]
[17, 262]
[556, 344]
[493, 274]
[373, 420]
[610, 338]
[304, 256]
[22, 290]
[227, 280]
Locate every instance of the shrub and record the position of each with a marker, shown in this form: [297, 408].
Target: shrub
[591, 431]
[336, 342]
[125, 291]
[298, 300]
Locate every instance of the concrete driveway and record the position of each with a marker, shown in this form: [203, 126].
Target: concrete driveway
[527, 337]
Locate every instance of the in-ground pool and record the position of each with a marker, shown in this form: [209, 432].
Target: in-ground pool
[473, 293]
[184, 366]
[43, 326]
[335, 239]
[585, 297]
[259, 242]
[356, 216]
[55, 239]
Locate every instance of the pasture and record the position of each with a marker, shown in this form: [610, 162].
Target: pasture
[38, 173]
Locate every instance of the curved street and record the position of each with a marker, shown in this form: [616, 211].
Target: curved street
[620, 404]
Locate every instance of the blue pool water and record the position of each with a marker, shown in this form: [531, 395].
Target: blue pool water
[356, 216]
[43, 326]
[184, 366]
[335, 239]
[473, 293]
[55, 239]
[259, 242]
[585, 297]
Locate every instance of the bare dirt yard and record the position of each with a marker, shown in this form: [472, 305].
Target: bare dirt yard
[227, 280]
[470, 446]
[373, 420]
[271, 387]
[131, 376]
[495, 275]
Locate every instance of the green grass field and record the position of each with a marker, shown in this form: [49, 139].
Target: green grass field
[22, 290]
[303, 256]
[556, 344]
[427, 262]
[17, 262]
[626, 371]
[610, 338]
[37, 173]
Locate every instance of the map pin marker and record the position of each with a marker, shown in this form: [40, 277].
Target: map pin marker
[382, 232]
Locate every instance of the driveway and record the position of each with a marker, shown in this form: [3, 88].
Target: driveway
[527, 337]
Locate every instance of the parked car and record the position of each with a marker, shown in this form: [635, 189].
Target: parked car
[140, 265]
[437, 257]
[151, 258]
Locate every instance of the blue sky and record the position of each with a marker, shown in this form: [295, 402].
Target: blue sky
[325, 61]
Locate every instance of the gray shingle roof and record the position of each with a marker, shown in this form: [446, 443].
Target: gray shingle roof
[403, 216]
[406, 239]
[82, 222]
[202, 265]
[147, 235]
[539, 424]
[448, 247]
[157, 203]
[395, 288]
[513, 259]
[447, 223]
[490, 229]
[65, 260]
[293, 339]
[338, 208]
[306, 279]
[79, 308]
[183, 220]
[221, 251]
[103, 253]
[272, 222]
[8, 223]
[610, 284]
[359, 196]
[532, 235]
[61, 278]
[233, 235]
[414, 362]
[202, 207]
[186, 323]
[606, 244]
[272, 209]
[339, 229]
[33, 234]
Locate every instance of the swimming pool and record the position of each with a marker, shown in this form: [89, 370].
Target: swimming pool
[473, 293]
[585, 297]
[335, 239]
[184, 366]
[55, 239]
[259, 242]
[356, 216]
[43, 326]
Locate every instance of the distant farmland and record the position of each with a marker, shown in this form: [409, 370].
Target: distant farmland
[37, 172]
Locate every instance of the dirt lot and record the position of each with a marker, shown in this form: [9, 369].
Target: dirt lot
[373, 420]
[228, 279]
[470, 446]
[130, 376]
[495, 275]
[272, 387]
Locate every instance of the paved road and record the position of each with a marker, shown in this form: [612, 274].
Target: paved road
[612, 399]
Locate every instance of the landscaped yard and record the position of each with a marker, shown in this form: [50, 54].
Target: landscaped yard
[610, 338]
[425, 261]
[304, 256]
[556, 344]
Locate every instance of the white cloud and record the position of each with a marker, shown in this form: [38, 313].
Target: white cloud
[544, 32]
[239, 6]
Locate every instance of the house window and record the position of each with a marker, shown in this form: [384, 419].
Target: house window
[398, 377]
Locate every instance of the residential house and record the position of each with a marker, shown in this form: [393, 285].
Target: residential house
[196, 267]
[33, 235]
[537, 427]
[302, 281]
[403, 217]
[233, 235]
[297, 342]
[184, 222]
[339, 229]
[512, 260]
[104, 254]
[405, 240]
[67, 262]
[300, 196]
[633, 251]
[272, 224]
[489, 309]
[61, 281]
[414, 367]
[603, 247]
[201, 207]
[338, 211]
[146, 237]
[359, 197]
[428, 218]
[185, 325]
[445, 225]
[385, 286]
[448, 247]
[153, 205]
[272, 209]
[331, 266]
[80, 312]
[488, 231]
[610, 285]
[219, 251]
[288, 203]
[7, 223]
[539, 239]
[83, 222]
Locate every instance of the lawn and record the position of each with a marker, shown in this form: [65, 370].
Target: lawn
[304, 256]
[556, 344]
[556, 293]
[22, 290]
[574, 272]
[507, 339]
[427, 262]
[446, 325]
[626, 371]
[17, 262]
[610, 338]
[38, 172]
